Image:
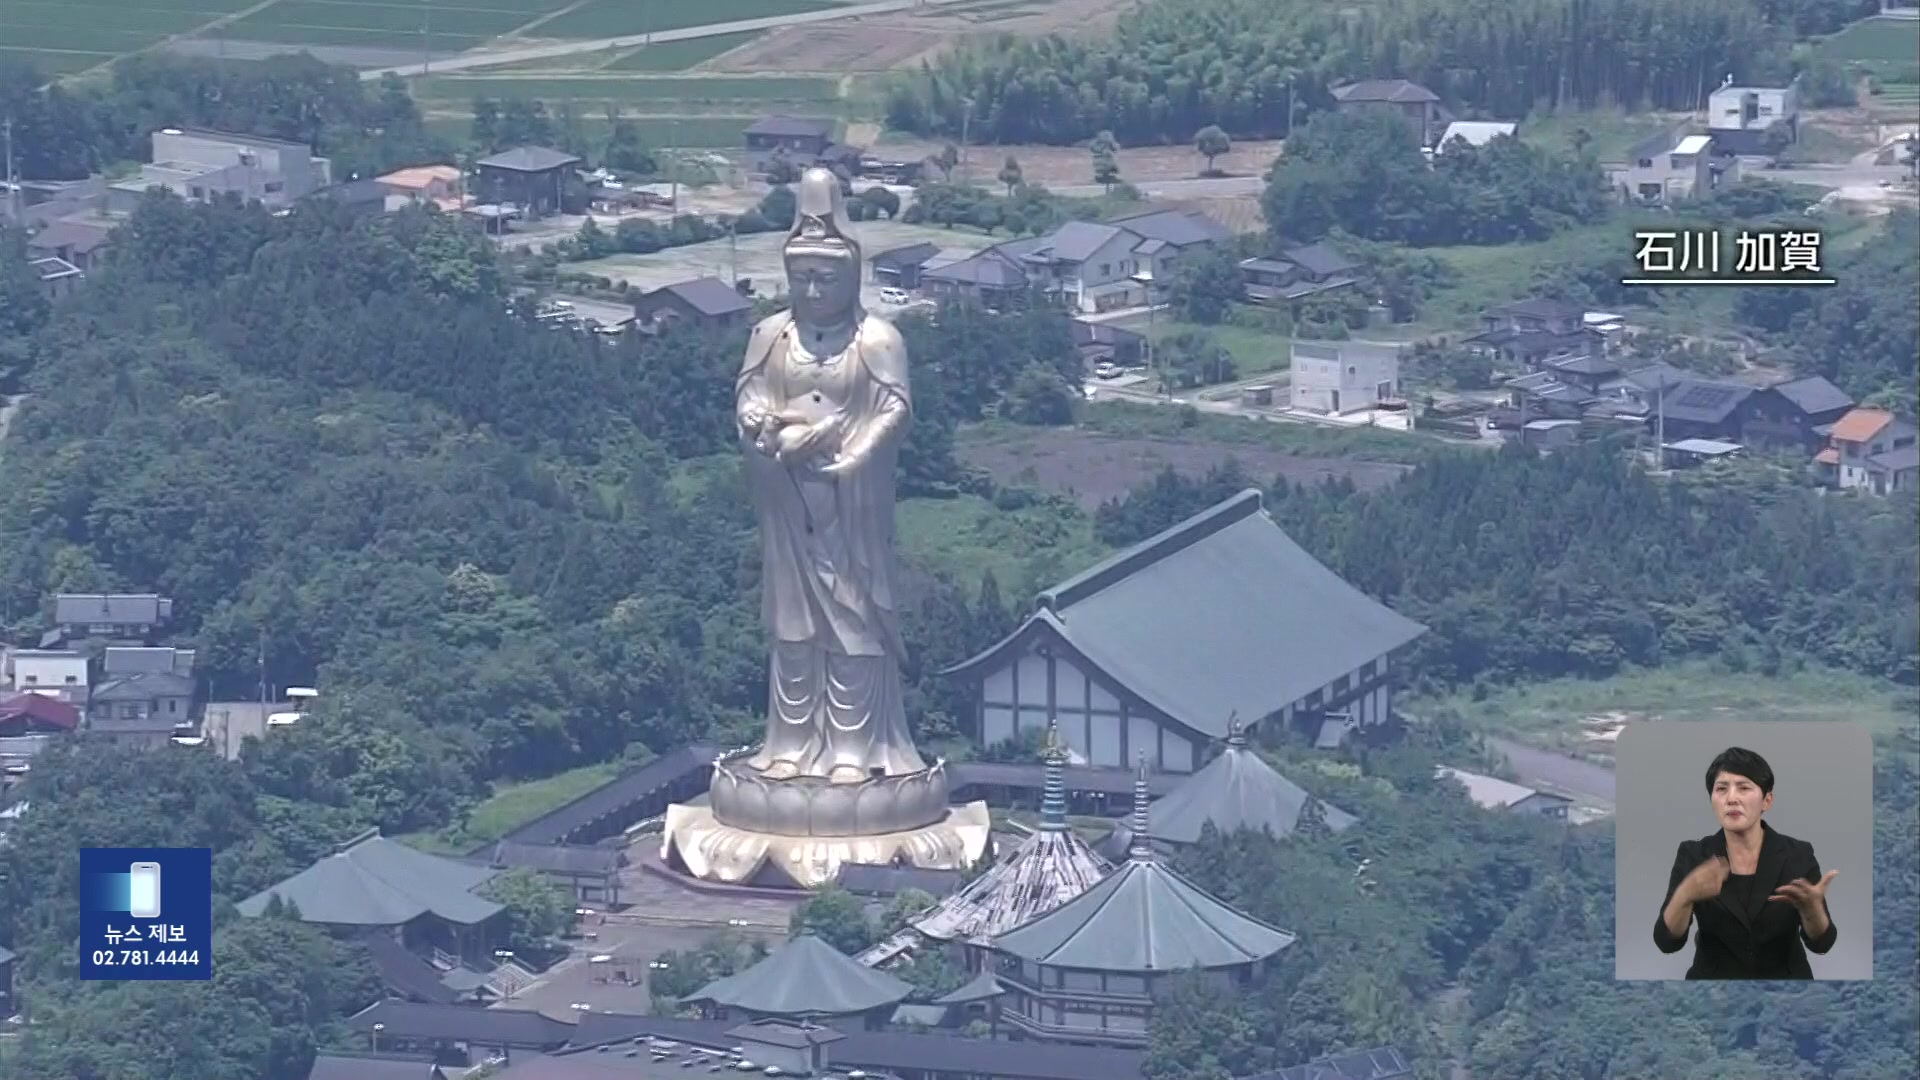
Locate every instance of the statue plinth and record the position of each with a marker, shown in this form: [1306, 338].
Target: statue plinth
[804, 828]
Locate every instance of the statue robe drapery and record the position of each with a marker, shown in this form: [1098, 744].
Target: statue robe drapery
[828, 568]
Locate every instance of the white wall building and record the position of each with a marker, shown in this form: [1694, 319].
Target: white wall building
[1341, 377]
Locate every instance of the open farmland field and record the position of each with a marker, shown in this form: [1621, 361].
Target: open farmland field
[755, 94]
[612, 18]
[903, 38]
[1884, 46]
[64, 37]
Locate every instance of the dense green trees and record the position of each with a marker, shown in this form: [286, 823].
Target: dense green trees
[1578, 564]
[1251, 67]
[1364, 173]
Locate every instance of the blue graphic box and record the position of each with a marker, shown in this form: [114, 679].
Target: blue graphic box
[146, 913]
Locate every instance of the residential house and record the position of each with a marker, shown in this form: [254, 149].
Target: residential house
[993, 278]
[804, 139]
[1588, 371]
[123, 617]
[900, 267]
[57, 277]
[1105, 343]
[1541, 395]
[590, 872]
[80, 244]
[1341, 377]
[439, 185]
[199, 164]
[60, 672]
[1298, 272]
[1089, 266]
[1547, 436]
[1494, 793]
[1754, 119]
[1639, 387]
[707, 302]
[143, 710]
[7, 1007]
[26, 714]
[1700, 409]
[1872, 450]
[1476, 132]
[1669, 168]
[1419, 106]
[1535, 330]
[1154, 649]
[120, 660]
[535, 178]
[1169, 237]
[1791, 414]
[360, 198]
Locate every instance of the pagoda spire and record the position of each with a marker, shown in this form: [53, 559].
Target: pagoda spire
[1236, 732]
[1053, 797]
[1142, 849]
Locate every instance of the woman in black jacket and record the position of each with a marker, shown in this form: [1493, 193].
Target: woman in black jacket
[1757, 894]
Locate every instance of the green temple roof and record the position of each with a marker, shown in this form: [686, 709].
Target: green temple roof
[374, 881]
[805, 977]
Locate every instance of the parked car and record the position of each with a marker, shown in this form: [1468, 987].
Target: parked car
[891, 295]
[1106, 369]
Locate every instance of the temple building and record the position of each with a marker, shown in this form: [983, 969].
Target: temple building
[1050, 867]
[1151, 650]
[1089, 970]
[1239, 790]
[429, 904]
[805, 979]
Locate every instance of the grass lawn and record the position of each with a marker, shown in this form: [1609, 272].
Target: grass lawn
[680, 133]
[513, 805]
[1549, 713]
[1027, 550]
[681, 55]
[1881, 45]
[1255, 352]
[639, 90]
[1611, 132]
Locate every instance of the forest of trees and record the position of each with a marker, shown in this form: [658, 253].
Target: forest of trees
[1173, 67]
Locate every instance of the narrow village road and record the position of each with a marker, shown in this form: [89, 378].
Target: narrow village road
[1833, 177]
[521, 54]
[1571, 776]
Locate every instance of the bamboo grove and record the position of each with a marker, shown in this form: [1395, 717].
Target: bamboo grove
[1172, 67]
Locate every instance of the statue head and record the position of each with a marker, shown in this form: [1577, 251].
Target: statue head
[822, 256]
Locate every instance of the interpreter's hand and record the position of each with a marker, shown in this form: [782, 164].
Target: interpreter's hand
[1704, 881]
[1808, 896]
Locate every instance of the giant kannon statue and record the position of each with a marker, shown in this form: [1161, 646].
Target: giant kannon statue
[822, 403]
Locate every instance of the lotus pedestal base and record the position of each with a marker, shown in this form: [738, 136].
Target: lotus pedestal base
[713, 851]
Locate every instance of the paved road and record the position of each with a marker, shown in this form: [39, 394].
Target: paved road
[1575, 777]
[524, 53]
[1827, 176]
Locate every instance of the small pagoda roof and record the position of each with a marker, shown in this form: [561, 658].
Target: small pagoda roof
[1237, 790]
[805, 977]
[983, 987]
[1049, 868]
[1144, 917]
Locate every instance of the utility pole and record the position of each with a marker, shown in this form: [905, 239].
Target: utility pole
[1660, 426]
[673, 138]
[426, 28]
[13, 183]
[966, 125]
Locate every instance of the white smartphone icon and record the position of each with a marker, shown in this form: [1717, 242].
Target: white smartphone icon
[143, 891]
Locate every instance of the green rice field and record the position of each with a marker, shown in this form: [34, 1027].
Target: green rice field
[677, 132]
[62, 37]
[1878, 44]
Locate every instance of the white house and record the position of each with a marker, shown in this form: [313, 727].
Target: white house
[1340, 377]
[1670, 168]
[1740, 117]
[198, 164]
[1476, 132]
[1873, 450]
[1098, 266]
[1158, 648]
[59, 672]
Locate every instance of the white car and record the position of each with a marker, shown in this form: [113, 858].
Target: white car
[892, 295]
[1106, 369]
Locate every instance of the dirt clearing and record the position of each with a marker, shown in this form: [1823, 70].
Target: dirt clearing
[1093, 468]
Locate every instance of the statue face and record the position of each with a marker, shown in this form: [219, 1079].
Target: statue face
[823, 288]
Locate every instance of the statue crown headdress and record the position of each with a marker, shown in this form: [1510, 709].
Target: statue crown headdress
[820, 222]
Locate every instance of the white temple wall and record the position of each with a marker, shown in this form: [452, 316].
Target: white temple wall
[1096, 726]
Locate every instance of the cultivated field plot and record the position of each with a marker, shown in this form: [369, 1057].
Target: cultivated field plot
[454, 120]
[1092, 468]
[758, 257]
[640, 91]
[681, 55]
[1890, 49]
[62, 37]
[441, 27]
[614, 18]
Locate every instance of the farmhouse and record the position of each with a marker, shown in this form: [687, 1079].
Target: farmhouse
[706, 302]
[1417, 105]
[1494, 793]
[1154, 649]
[803, 139]
[1872, 450]
[900, 267]
[532, 177]
[1296, 273]
[200, 165]
[1790, 414]
[1753, 119]
[1340, 377]
[1673, 168]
